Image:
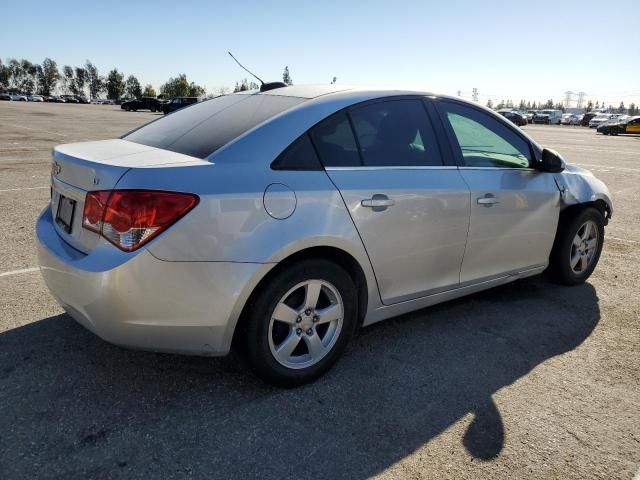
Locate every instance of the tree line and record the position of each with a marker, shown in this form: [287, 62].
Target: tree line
[631, 110]
[44, 78]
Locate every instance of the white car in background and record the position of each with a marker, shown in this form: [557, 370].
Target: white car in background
[602, 118]
[571, 119]
[35, 98]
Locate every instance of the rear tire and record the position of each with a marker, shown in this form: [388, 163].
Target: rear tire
[292, 339]
[577, 247]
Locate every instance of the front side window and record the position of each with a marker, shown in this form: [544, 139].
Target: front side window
[395, 133]
[485, 141]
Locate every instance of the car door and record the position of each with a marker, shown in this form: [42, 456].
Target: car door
[514, 208]
[407, 200]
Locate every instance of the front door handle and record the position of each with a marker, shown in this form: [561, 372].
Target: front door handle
[488, 200]
[378, 202]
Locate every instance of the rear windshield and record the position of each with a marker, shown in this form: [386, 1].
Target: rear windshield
[203, 128]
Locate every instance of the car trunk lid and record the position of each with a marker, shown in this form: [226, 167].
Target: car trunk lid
[81, 167]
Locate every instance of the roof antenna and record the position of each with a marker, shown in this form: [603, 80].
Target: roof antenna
[263, 86]
[246, 69]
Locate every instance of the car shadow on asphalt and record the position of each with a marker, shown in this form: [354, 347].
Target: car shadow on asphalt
[74, 406]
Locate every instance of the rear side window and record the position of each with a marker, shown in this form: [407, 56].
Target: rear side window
[395, 133]
[334, 141]
[300, 155]
[201, 129]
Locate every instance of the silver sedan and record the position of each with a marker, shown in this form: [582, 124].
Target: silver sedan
[282, 220]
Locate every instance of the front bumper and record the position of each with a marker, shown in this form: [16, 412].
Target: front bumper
[136, 300]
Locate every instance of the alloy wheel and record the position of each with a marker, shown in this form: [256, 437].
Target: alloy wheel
[584, 247]
[306, 324]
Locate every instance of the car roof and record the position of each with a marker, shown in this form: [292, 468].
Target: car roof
[314, 91]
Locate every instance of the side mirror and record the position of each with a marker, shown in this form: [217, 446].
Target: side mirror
[551, 161]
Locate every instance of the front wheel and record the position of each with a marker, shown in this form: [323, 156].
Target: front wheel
[577, 247]
[301, 322]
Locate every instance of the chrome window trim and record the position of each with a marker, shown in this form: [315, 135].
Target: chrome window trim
[391, 167]
[519, 169]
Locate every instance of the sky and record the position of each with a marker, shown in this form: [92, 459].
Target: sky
[506, 49]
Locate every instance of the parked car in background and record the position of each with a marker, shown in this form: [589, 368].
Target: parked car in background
[56, 99]
[179, 102]
[5, 97]
[70, 99]
[142, 103]
[547, 117]
[286, 219]
[620, 125]
[540, 117]
[82, 99]
[18, 97]
[600, 119]
[513, 116]
[35, 98]
[530, 115]
[586, 118]
[571, 119]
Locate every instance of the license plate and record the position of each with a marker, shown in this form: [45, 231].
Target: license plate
[64, 216]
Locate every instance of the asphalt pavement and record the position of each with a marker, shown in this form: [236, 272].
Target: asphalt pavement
[528, 380]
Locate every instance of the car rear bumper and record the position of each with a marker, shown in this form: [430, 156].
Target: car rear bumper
[141, 302]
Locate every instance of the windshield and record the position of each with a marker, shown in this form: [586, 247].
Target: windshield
[203, 128]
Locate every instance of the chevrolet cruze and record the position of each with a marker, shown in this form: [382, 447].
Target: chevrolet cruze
[283, 220]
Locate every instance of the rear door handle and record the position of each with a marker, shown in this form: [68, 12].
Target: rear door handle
[488, 200]
[378, 202]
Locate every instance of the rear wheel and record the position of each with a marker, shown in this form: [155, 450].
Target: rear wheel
[577, 247]
[301, 322]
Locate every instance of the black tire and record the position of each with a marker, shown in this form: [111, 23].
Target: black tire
[262, 306]
[560, 260]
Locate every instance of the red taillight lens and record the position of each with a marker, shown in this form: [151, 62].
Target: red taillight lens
[130, 218]
[94, 205]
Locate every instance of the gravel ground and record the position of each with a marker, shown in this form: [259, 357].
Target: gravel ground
[528, 380]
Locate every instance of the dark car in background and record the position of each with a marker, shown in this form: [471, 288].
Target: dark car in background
[69, 99]
[82, 99]
[617, 127]
[5, 96]
[514, 117]
[587, 117]
[177, 103]
[143, 103]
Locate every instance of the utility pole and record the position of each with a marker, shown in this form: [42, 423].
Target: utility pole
[581, 96]
[568, 96]
[474, 94]
[459, 93]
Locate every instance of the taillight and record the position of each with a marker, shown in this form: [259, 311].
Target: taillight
[131, 218]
